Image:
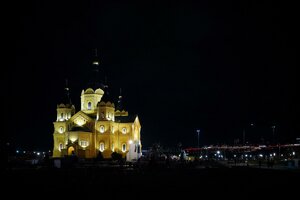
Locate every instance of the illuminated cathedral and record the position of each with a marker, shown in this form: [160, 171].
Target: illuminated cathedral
[99, 127]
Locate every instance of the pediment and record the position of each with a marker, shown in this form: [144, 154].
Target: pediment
[80, 118]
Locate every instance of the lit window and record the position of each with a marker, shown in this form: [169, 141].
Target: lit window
[102, 115]
[61, 146]
[83, 143]
[124, 130]
[61, 115]
[112, 129]
[89, 105]
[124, 147]
[112, 147]
[101, 147]
[61, 129]
[102, 129]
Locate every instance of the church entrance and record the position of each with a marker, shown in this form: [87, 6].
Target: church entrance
[71, 151]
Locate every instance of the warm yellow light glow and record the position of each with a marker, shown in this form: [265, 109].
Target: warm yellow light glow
[73, 138]
[80, 122]
[101, 147]
[124, 130]
[130, 142]
[71, 150]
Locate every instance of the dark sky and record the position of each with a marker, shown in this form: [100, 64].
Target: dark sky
[213, 65]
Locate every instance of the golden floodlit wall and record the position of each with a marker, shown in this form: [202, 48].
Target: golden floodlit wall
[95, 129]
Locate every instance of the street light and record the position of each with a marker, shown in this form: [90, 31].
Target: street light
[198, 131]
[273, 128]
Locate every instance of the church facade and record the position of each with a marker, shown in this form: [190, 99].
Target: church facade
[99, 127]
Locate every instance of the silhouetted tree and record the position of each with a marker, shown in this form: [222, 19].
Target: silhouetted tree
[116, 156]
[99, 156]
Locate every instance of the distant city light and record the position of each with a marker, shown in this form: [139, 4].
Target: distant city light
[38, 153]
[260, 155]
[24, 151]
[17, 151]
[218, 152]
[274, 154]
[294, 153]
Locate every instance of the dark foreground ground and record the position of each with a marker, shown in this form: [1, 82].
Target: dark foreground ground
[232, 183]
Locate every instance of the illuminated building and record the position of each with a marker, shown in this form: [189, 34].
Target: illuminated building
[99, 126]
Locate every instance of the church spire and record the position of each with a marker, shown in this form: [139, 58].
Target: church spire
[67, 93]
[120, 103]
[94, 75]
[96, 60]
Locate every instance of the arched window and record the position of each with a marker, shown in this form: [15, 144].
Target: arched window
[102, 115]
[123, 147]
[89, 105]
[83, 143]
[61, 115]
[61, 129]
[102, 129]
[124, 130]
[101, 146]
[60, 147]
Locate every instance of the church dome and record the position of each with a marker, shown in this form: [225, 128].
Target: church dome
[99, 91]
[89, 91]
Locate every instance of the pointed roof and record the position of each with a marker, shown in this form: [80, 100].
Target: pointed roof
[120, 101]
[66, 99]
[96, 75]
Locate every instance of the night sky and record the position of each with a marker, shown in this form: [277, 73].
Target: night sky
[214, 65]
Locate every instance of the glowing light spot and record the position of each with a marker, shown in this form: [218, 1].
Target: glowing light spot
[102, 129]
